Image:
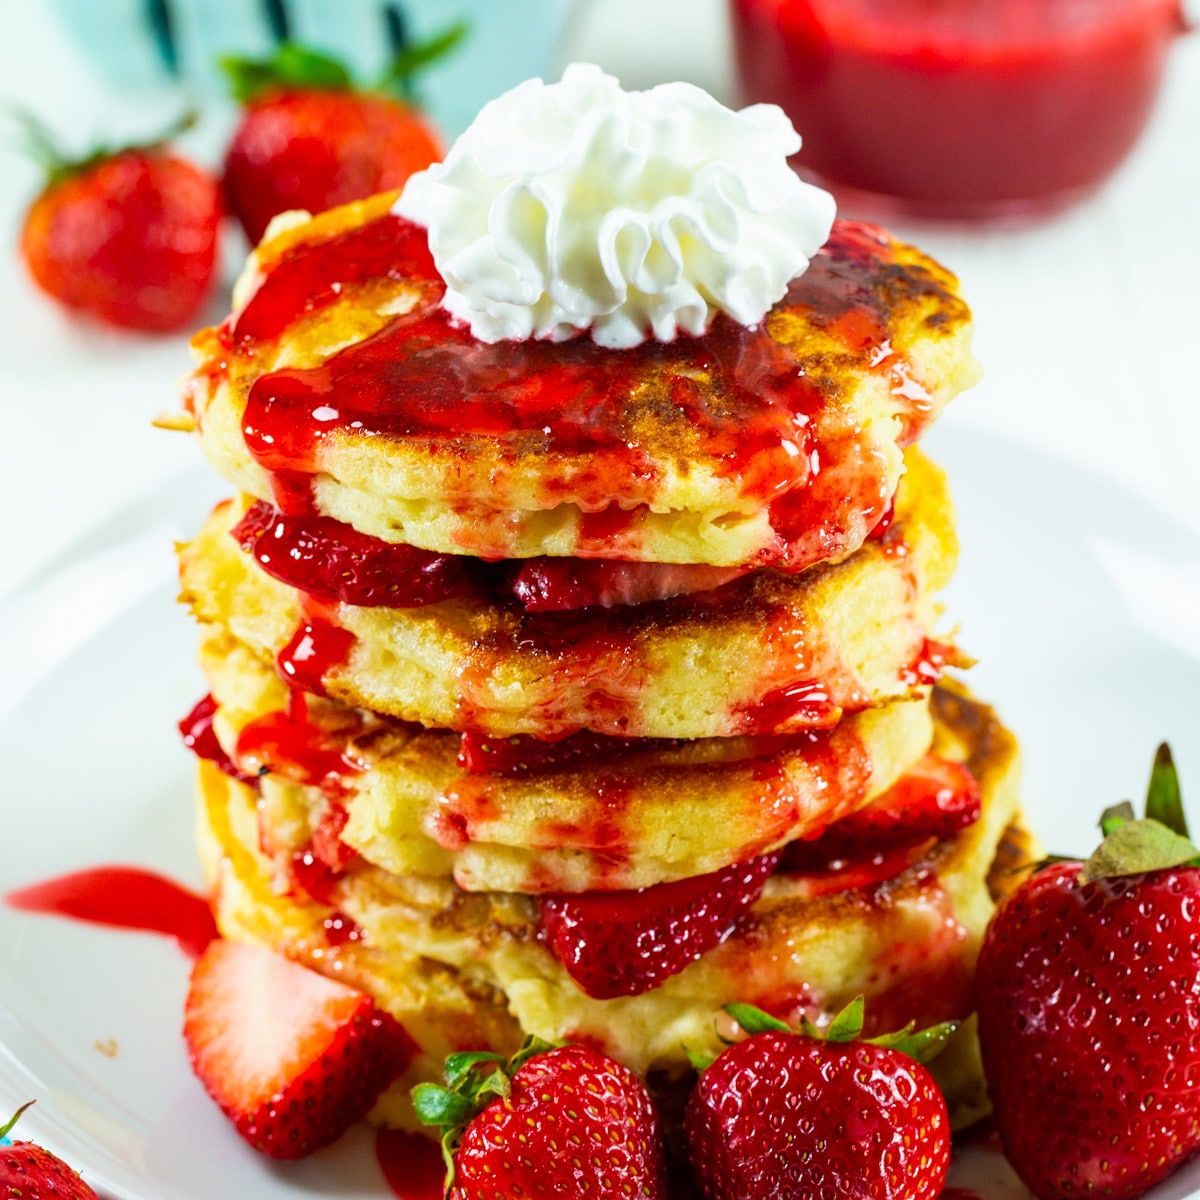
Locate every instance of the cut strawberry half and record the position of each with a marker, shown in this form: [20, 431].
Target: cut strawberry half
[521, 754]
[560, 584]
[935, 799]
[333, 561]
[625, 943]
[292, 1058]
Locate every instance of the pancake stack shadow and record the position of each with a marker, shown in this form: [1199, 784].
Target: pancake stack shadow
[578, 692]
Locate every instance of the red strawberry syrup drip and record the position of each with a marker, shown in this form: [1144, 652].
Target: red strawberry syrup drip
[804, 703]
[341, 929]
[925, 974]
[318, 867]
[288, 743]
[317, 648]
[310, 277]
[412, 1164]
[199, 737]
[423, 379]
[124, 898]
[926, 668]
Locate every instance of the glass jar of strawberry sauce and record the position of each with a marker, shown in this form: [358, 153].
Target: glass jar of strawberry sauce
[958, 108]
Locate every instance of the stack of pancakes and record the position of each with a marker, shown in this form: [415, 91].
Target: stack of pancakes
[491, 627]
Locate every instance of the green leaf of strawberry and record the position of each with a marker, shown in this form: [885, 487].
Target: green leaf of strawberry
[1157, 842]
[1164, 800]
[847, 1026]
[296, 67]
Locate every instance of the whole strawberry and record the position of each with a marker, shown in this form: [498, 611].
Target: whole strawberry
[310, 138]
[791, 1116]
[1089, 1008]
[127, 236]
[31, 1173]
[553, 1121]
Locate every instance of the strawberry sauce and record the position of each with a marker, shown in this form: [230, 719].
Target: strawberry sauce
[412, 1164]
[422, 379]
[123, 898]
[317, 647]
[198, 736]
[288, 743]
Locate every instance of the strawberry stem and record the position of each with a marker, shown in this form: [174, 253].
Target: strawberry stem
[5, 1130]
[292, 66]
[413, 57]
[1164, 800]
[847, 1026]
[44, 147]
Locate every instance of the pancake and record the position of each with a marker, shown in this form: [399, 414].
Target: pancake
[340, 386]
[647, 813]
[908, 945]
[767, 653]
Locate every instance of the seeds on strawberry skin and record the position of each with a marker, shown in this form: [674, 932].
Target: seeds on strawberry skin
[311, 138]
[126, 236]
[553, 1121]
[791, 1116]
[29, 1172]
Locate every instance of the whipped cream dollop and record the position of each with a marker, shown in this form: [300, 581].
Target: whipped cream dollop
[578, 206]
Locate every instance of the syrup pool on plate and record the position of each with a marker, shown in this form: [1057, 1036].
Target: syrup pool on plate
[958, 108]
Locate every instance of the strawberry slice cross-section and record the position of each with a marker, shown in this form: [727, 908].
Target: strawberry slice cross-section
[291, 1057]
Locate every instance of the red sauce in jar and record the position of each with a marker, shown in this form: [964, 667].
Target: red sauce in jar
[958, 108]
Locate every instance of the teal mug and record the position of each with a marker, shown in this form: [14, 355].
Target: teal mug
[140, 43]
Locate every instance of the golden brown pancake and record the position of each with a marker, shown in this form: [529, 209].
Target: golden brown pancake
[339, 385]
[740, 660]
[642, 814]
[433, 954]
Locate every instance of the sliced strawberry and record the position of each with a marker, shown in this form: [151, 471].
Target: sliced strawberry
[522, 754]
[810, 880]
[558, 584]
[624, 943]
[934, 799]
[333, 561]
[292, 1058]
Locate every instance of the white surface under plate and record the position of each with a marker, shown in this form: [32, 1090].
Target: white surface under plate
[1081, 604]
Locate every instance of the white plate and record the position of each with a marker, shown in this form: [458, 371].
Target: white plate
[1082, 605]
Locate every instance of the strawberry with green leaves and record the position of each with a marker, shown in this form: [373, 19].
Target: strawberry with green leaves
[311, 138]
[552, 1121]
[787, 1115]
[1089, 1008]
[31, 1173]
[128, 236]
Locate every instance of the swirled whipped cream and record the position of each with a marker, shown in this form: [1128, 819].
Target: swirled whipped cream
[577, 206]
